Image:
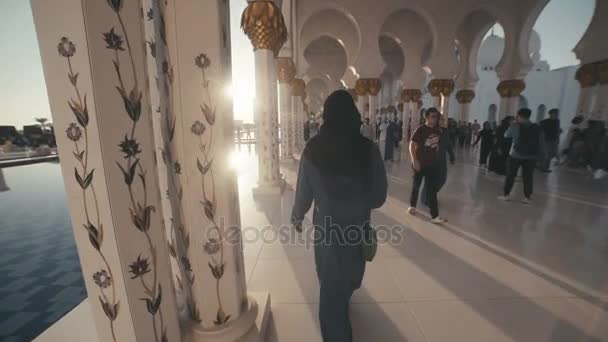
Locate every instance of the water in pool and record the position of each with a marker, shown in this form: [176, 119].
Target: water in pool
[40, 275]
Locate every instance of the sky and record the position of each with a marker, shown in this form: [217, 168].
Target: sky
[23, 93]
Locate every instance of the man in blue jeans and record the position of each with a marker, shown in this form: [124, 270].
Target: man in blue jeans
[524, 153]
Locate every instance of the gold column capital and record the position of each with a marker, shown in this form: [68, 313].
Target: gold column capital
[439, 87]
[511, 88]
[411, 95]
[361, 87]
[465, 96]
[587, 75]
[263, 23]
[287, 70]
[298, 87]
[373, 85]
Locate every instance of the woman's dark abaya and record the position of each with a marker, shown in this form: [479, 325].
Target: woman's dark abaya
[343, 173]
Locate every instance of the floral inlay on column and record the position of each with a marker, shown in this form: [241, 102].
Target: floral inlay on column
[83, 173]
[214, 245]
[135, 175]
[179, 243]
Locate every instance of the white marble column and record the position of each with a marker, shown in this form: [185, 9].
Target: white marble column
[464, 97]
[260, 24]
[410, 99]
[509, 91]
[286, 72]
[298, 94]
[94, 67]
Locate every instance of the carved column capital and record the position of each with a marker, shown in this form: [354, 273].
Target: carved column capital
[263, 23]
[286, 70]
[587, 75]
[443, 87]
[361, 87]
[465, 96]
[373, 85]
[511, 88]
[411, 95]
[298, 87]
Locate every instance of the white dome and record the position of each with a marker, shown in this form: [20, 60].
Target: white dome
[490, 51]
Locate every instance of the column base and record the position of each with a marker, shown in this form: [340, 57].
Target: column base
[251, 326]
[269, 188]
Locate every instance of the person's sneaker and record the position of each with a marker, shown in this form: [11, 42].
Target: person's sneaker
[439, 220]
[526, 200]
[506, 198]
[411, 211]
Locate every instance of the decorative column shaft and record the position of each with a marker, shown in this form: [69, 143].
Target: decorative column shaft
[509, 91]
[600, 108]
[263, 23]
[441, 89]
[287, 72]
[298, 95]
[588, 78]
[410, 99]
[94, 67]
[464, 97]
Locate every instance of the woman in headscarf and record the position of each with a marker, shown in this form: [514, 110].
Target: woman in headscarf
[344, 174]
[501, 149]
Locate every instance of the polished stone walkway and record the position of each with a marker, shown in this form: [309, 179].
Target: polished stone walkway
[497, 272]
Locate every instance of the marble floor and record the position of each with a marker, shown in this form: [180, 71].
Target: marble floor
[496, 272]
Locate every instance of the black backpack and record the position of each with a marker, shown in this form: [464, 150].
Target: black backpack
[528, 142]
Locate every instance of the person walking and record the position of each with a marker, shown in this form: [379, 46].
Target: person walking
[367, 130]
[551, 131]
[342, 172]
[476, 127]
[500, 150]
[424, 151]
[486, 136]
[524, 153]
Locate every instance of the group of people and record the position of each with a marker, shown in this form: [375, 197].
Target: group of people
[342, 172]
[387, 132]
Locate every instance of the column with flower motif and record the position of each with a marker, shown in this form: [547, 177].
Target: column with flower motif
[298, 94]
[94, 69]
[263, 23]
[195, 71]
[286, 73]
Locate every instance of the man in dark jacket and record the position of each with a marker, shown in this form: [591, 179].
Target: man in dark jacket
[551, 132]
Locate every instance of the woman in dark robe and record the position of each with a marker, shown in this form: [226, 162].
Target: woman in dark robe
[344, 174]
[486, 136]
[391, 135]
[501, 148]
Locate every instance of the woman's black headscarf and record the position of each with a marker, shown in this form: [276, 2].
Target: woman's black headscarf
[339, 149]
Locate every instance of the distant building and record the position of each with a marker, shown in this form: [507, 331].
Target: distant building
[7, 133]
[545, 88]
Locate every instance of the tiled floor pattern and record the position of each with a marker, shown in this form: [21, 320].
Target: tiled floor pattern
[40, 277]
